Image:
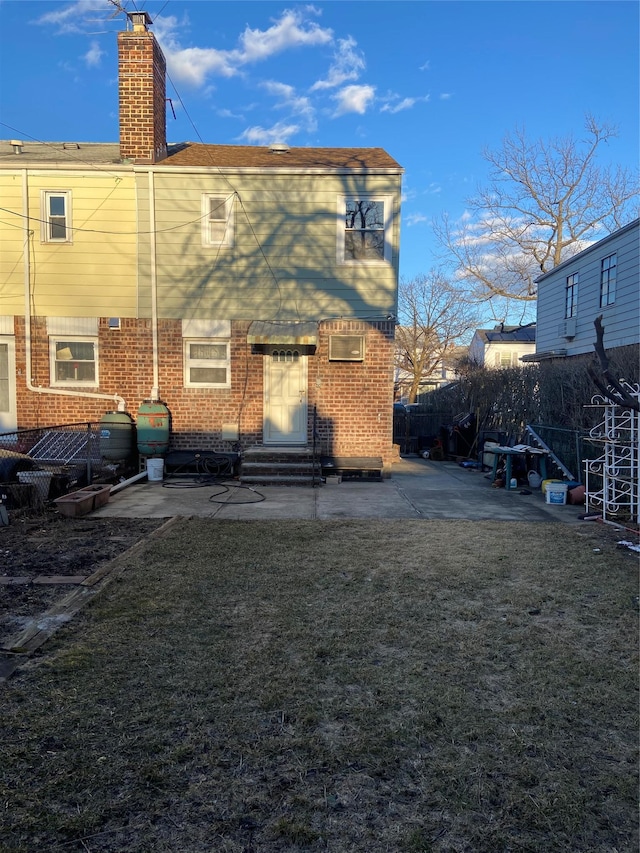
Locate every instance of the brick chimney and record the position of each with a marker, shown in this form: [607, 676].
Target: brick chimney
[142, 92]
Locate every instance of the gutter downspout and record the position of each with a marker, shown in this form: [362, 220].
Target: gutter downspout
[155, 391]
[124, 483]
[60, 392]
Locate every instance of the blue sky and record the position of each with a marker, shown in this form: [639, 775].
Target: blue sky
[431, 82]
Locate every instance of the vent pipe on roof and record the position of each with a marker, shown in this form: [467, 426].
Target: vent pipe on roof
[17, 145]
[279, 148]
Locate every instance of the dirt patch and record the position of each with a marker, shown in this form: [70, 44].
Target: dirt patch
[48, 544]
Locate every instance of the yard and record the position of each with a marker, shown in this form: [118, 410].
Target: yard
[404, 686]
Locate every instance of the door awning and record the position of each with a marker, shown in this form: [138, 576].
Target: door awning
[299, 334]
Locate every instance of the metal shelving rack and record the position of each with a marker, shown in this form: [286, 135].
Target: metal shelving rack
[611, 481]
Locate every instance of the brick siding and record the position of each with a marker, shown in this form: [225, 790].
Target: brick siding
[142, 97]
[353, 400]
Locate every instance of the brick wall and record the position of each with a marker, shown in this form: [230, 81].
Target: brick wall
[142, 97]
[353, 400]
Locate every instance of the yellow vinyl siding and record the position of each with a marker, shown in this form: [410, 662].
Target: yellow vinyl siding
[11, 245]
[95, 274]
[282, 263]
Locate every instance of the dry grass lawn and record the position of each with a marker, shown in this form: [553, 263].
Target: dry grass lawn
[403, 686]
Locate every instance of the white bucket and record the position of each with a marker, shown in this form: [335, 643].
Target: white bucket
[155, 470]
[556, 493]
[40, 479]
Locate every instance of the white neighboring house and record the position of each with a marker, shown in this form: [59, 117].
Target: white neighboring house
[443, 375]
[502, 346]
[601, 280]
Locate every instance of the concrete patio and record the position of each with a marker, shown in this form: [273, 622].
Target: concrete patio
[418, 488]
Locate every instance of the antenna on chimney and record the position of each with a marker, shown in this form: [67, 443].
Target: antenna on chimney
[139, 20]
[120, 10]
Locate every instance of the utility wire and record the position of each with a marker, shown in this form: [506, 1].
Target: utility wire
[208, 152]
[101, 231]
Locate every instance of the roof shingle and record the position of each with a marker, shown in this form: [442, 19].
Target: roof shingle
[188, 154]
[254, 156]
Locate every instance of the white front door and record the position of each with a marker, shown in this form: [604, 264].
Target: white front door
[285, 396]
[8, 411]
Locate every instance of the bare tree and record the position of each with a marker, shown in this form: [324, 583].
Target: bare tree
[432, 320]
[614, 389]
[545, 201]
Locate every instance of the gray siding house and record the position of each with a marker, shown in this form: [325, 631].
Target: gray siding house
[601, 280]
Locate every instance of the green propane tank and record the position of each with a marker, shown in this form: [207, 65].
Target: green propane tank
[153, 428]
[116, 436]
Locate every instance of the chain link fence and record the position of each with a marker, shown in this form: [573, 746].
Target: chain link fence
[37, 465]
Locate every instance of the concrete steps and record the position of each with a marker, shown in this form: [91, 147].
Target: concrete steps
[353, 467]
[280, 466]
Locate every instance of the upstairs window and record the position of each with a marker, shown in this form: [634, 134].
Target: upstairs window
[608, 281]
[571, 300]
[207, 363]
[364, 235]
[217, 220]
[73, 361]
[56, 217]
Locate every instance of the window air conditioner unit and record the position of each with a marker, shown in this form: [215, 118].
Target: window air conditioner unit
[346, 348]
[567, 329]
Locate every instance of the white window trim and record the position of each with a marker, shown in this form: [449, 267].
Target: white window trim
[58, 383]
[387, 200]
[44, 216]
[229, 213]
[77, 327]
[8, 418]
[188, 362]
[206, 328]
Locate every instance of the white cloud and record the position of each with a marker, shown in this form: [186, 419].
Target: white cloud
[415, 219]
[347, 65]
[404, 104]
[94, 55]
[72, 18]
[190, 65]
[288, 99]
[193, 64]
[280, 132]
[425, 67]
[354, 99]
[445, 96]
[290, 31]
[229, 114]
